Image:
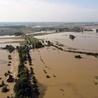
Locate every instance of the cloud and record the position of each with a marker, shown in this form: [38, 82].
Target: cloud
[42, 10]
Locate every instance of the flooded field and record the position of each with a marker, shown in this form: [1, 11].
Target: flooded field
[9, 39]
[68, 77]
[4, 68]
[3, 62]
[13, 44]
[60, 74]
[63, 75]
[86, 41]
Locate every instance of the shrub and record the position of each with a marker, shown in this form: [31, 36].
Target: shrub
[5, 89]
[78, 56]
[8, 97]
[9, 61]
[47, 76]
[9, 64]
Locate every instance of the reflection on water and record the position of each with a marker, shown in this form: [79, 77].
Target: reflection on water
[86, 41]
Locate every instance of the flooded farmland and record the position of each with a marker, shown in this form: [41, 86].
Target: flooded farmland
[59, 73]
[68, 76]
[4, 61]
[63, 75]
[86, 41]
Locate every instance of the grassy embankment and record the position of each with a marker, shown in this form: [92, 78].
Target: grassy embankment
[34, 42]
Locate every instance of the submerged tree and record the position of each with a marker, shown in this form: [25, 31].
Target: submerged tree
[72, 37]
[96, 30]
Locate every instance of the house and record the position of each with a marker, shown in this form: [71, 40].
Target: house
[10, 78]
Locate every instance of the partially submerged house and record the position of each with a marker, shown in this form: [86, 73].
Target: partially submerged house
[10, 78]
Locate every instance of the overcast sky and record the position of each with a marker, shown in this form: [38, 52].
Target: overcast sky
[48, 10]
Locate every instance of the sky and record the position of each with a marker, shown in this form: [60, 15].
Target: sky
[48, 10]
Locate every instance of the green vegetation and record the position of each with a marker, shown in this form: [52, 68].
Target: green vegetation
[8, 97]
[9, 57]
[24, 55]
[2, 84]
[34, 42]
[22, 87]
[7, 73]
[49, 43]
[72, 37]
[10, 48]
[47, 76]
[78, 56]
[18, 34]
[57, 47]
[5, 89]
[80, 52]
[9, 64]
[97, 30]
[57, 29]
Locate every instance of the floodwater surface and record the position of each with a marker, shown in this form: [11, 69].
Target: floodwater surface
[64, 75]
[68, 77]
[86, 41]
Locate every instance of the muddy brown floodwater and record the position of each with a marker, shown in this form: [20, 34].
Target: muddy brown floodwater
[4, 68]
[68, 77]
[86, 41]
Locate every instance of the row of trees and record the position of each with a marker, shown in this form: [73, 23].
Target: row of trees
[22, 87]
